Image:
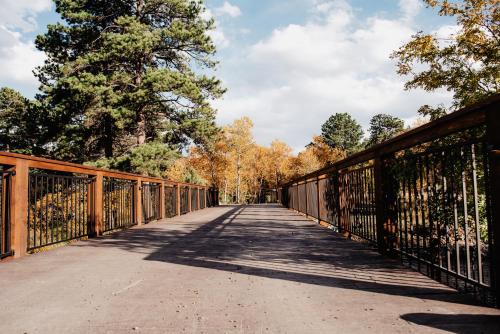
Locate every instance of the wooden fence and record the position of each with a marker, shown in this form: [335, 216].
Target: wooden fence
[45, 202]
[430, 196]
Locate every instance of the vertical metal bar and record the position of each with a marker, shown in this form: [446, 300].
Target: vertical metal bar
[405, 211]
[430, 217]
[446, 200]
[466, 213]
[35, 213]
[437, 201]
[476, 216]
[422, 209]
[46, 221]
[455, 223]
[59, 209]
[52, 211]
[416, 203]
[410, 213]
[364, 194]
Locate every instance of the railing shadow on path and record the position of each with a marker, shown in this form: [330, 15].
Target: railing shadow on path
[456, 323]
[279, 245]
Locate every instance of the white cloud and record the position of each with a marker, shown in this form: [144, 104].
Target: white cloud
[218, 35]
[19, 57]
[296, 78]
[228, 9]
[410, 8]
[219, 38]
[21, 14]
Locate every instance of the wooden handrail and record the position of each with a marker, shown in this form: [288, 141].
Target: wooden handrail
[469, 117]
[9, 158]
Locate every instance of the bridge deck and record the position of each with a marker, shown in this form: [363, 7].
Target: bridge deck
[249, 269]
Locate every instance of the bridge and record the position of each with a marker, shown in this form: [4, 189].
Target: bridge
[402, 237]
[229, 269]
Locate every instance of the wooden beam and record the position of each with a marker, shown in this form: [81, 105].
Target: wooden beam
[178, 200]
[98, 204]
[493, 140]
[19, 208]
[138, 201]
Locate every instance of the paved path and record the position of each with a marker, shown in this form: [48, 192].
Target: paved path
[250, 269]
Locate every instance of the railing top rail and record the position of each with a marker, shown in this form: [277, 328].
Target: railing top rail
[459, 120]
[9, 158]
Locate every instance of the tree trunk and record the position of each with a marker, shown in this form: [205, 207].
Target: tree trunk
[225, 191]
[238, 179]
[141, 118]
[108, 137]
[141, 127]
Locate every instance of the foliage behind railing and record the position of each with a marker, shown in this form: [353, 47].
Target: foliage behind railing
[45, 202]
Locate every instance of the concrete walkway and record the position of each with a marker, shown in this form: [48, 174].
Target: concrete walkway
[249, 269]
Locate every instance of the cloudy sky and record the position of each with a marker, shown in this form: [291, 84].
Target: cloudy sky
[287, 64]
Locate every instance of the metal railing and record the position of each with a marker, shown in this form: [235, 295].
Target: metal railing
[45, 202]
[5, 215]
[118, 204]
[430, 196]
[185, 200]
[151, 202]
[203, 199]
[58, 208]
[194, 199]
[170, 201]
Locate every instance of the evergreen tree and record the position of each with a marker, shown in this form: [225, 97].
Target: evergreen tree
[341, 131]
[20, 124]
[384, 127]
[119, 75]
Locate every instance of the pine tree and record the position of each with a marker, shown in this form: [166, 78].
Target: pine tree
[384, 127]
[21, 128]
[343, 132]
[119, 75]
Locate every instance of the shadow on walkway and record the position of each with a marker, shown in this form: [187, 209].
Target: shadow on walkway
[456, 323]
[270, 241]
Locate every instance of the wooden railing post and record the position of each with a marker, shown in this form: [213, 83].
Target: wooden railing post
[198, 198]
[178, 199]
[162, 199]
[298, 198]
[138, 201]
[379, 203]
[305, 192]
[318, 198]
[98, 216]
[385, 205]
[19, 206]
[339, 195]
[493, 140]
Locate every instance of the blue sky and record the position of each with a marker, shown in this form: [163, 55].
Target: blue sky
[288, 65]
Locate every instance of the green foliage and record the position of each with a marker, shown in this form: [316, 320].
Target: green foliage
[341, 131]
[384, 127]
[20, 120]
[150, 159]
[432, 112]
[467, 64]
[119, 74]
[192, 176]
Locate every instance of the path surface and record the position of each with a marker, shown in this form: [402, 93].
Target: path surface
[250, 269]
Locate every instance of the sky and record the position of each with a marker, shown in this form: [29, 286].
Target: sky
[287, 64]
